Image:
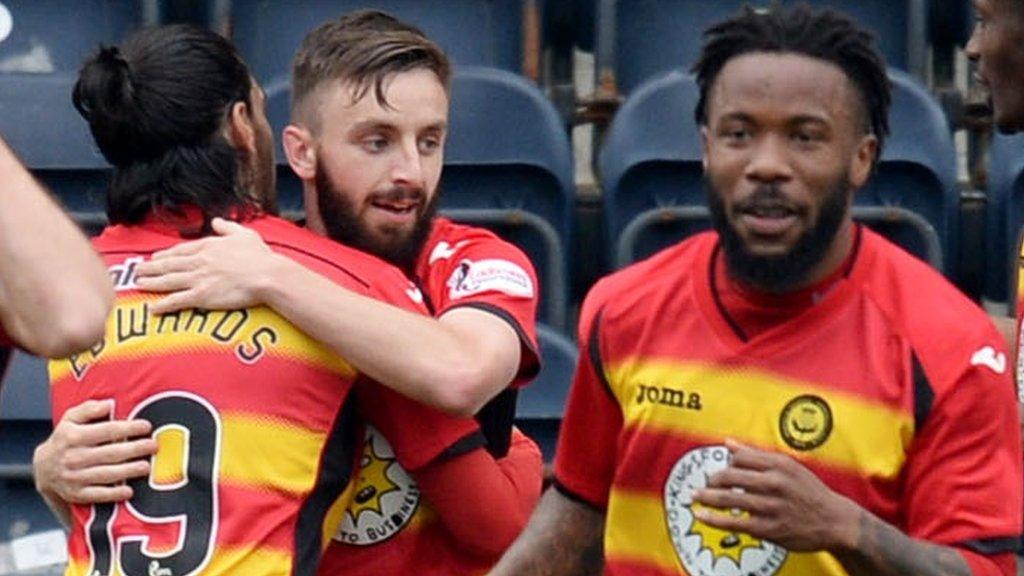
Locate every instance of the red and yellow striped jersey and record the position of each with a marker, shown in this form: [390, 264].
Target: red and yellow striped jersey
[257, 438]
[892, 388]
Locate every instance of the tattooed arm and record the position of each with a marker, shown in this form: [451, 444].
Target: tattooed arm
[563, 537]
[880, 548]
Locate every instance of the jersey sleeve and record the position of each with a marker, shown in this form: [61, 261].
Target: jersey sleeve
[585, 458]
[963, 478]
[419, 434]
[482, 271]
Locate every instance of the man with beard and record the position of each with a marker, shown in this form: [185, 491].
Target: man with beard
[370, 108]
[54, 291]
[790, 394]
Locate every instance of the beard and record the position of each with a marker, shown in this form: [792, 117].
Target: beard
[778, 274]
[342, 224]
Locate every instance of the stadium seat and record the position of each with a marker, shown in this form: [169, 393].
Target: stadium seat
[39, 122]
[54, 37]
[39, 62]
[650, 38]
[24, 423]
[1005, 213]
[542, 402]
[652, 174]
[472, 32]
[508, 167]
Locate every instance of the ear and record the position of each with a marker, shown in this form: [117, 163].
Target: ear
[240, 130]
[863, 161]
[704, 147]
[300, 149]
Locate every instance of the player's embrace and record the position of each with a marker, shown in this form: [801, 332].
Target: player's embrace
[256, 437]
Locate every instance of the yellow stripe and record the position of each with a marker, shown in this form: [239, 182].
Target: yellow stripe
[226, 561]
[637, 532]
[867, 438]
[265, 452]
[133, 333]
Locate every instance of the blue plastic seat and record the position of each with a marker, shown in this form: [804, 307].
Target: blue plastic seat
[508, 167]
[656, 36]
[39, 63]
[39, 122]
[56, 36]
[24, 423]
[541, 404]
[472, 32]
[652, 173]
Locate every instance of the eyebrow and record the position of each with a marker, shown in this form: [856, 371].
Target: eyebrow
[373, 124]
[798, 119]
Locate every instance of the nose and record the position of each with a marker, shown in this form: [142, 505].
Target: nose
[971, 50]
[769, 160]
[408, 164]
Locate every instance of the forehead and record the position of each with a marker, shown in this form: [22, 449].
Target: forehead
[783, 86]
[414, 98]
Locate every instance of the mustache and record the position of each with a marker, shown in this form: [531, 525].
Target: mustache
[399, 194]
[768, 197]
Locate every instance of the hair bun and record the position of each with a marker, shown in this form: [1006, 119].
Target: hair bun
[104, 95]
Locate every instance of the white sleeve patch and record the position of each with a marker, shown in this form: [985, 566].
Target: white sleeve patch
[474, 277]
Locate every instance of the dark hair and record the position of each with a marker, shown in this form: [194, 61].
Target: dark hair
[363, 49]
[156, 107]
[823, 34]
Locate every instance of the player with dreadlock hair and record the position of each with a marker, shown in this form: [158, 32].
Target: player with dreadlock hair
[790, 394]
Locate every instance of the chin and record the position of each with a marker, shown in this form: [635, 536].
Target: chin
[1009, 121]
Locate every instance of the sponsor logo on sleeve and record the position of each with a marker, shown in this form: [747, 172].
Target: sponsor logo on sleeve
[444, 251]
[473, 277]
[414, 294]
[989, 358]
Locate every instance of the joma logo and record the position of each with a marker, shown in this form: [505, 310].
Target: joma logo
[668, 397]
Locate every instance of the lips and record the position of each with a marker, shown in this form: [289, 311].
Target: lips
[398, 202]
[401, 207]
[768, 218]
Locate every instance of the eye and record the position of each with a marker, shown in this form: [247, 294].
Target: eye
[429, 145]
[735, 134]
[375, 143]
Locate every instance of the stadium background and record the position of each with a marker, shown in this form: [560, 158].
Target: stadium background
[571, 135]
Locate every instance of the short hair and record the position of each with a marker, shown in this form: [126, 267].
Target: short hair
[823, 34]
[362, 49]
[156, 106]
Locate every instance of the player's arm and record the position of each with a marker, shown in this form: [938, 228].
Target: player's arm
[88, 458]
[484, 503]
[456, 363]
[566, 532]
[54, 290]
[481, 501]
[564, 537]
[785, 502]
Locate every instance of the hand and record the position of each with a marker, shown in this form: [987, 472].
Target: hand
[781, 500]
[87, 462]
[217, 273]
